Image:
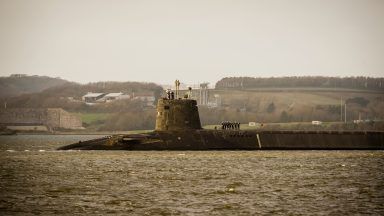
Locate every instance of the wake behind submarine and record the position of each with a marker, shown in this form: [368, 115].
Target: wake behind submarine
[178, 127]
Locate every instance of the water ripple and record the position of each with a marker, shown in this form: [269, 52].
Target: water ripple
[186, 183]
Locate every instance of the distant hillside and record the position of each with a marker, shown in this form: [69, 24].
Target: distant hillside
[68, 96]
[15, 85]
[292, 106]
[360, 83]
[115, 115]
[77, 90]
[276, 102]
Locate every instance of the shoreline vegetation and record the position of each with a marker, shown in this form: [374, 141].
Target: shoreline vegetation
[278, 103]
[291, 126]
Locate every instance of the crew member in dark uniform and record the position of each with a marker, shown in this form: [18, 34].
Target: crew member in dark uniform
[172, 95]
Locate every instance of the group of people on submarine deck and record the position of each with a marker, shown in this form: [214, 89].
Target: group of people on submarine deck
[226, 125]
[170, 94]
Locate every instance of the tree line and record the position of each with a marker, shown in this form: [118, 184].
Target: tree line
[361, 83]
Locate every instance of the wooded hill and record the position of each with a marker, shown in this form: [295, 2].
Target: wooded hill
[360, 83]
[18, 85]
[117, 115]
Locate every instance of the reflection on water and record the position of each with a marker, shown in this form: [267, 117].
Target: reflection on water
[34, 178]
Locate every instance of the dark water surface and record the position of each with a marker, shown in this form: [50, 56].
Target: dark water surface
[36, 179]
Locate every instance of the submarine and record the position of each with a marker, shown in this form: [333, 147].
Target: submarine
[178, 127]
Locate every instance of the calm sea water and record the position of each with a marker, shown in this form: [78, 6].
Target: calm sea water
[36, 179]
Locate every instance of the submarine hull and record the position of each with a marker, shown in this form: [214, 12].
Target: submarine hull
[236, 140]
[178, 127]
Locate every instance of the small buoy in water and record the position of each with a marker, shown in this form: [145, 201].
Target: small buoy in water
[26, 150]
[10, 150]
[41, 150]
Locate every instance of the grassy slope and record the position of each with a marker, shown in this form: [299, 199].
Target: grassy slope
[301, 104]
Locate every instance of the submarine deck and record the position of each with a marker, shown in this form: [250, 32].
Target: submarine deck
[237, 140]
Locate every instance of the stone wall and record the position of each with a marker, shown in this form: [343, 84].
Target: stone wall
[51, 117]
[68, 120]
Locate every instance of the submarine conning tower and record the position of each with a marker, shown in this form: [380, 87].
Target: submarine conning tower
[177, 114]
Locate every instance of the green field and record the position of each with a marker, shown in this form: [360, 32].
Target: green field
[94, 118]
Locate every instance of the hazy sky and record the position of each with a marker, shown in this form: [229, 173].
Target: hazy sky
[194, 41]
